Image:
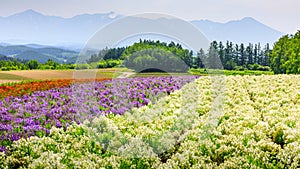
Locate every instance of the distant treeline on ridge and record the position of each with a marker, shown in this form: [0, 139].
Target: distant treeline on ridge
[153, 55]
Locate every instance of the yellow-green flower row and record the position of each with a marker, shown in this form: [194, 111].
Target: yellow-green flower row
[213, 122]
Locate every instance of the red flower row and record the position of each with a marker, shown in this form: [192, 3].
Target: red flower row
[20, 89]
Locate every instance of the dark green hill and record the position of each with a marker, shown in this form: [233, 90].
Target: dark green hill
[12, 50]
[40, 54]
[33, 55]
[5, 58]
[57, 52]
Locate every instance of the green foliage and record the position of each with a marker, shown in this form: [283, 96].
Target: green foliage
[285, 56]
[107, 54]
[7, 63]
[50, 64]
[110, 63]
[83, 66]
[235, 57]
[259, 67]
[228, 72]
[32, 64]
[151, 56]
[200, 59]
[213, 59]
[150, 60]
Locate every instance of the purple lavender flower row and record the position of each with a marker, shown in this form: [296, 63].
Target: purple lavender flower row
[35, 114]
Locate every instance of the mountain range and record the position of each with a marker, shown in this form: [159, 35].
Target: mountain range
[246, 30]
[33, 27]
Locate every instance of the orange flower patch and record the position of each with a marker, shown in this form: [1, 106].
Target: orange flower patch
[20, 89]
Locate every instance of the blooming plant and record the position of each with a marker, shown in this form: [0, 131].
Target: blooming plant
[36, 113]
[20, 89]
[257, 127]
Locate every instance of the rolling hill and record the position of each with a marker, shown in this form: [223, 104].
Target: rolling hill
[42, 54]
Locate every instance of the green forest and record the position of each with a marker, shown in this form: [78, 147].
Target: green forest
[152, 56]
[229, 56]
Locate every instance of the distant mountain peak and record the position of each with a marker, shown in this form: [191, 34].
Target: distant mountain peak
[243, 20]
[30, 12]
[247, 18]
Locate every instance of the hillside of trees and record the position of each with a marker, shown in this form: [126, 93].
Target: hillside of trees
[41, 53]
[5, 58]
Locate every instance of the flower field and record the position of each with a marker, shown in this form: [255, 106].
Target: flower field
[36, 113]
[161, 122]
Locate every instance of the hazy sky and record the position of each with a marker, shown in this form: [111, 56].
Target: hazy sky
[283, 15]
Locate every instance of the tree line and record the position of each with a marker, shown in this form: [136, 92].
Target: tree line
[147, 52]
[8, 63]
[234, 56]
[170, 56]
[283, 58]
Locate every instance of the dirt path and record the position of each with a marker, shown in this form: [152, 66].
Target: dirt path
[125, 74]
